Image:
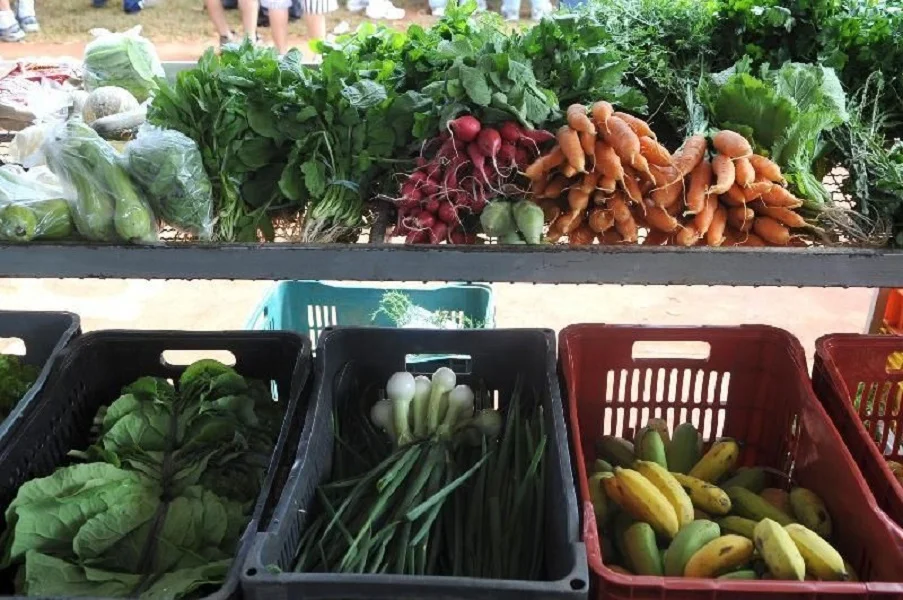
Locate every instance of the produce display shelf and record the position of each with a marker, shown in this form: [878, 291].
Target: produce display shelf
[637, 265]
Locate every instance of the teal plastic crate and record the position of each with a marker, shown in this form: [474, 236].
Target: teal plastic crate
[309, 307]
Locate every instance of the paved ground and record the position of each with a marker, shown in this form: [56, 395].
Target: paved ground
[808, 313]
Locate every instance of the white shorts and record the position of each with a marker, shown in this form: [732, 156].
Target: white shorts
[310, 7]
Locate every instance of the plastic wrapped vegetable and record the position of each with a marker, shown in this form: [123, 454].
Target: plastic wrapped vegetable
[31, 208]
[125, 60]
[168, 167]
[105, 203]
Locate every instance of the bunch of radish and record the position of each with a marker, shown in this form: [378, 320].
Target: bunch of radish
[473, 164]
[609, 178]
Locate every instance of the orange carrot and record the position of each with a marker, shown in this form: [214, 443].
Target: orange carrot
[654, 152]
[639, 126]
[550, 210]
[569, 221]
[687, 236]
[606, 184]
[700, 178]
[581, 236]
[623, 140]
[610, 237]
[784, 216]
[568, 170]
[724, 173]
[569, 141]
[668, 195]
[601, 112]
[654, 237]
[628, 229]
[771, 231]
[703, 218]
[578, 199]
[734, 197]
[759, 186]
[601, 220]
[578, 121]
[538, 187]
[600, 198]
[632, 186]
[690, 154]
[544, 164]
[731, 144]
[618, 205]
[766, 168]
[588, 143]
[658, 218]
[741, 218]
[715, 234]
[556, 186]
[588, 184]
[781, 198]
[745, 174]
[752, 240]
[607, 161]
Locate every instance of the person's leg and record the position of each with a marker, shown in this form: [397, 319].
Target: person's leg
[217, 16]
[511, 10]
[248, 10]
[26, 16]
[437, 7]
[316, 26]
[279, 28]
[9, 26]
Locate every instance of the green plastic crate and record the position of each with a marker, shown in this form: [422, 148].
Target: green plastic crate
[309, 307]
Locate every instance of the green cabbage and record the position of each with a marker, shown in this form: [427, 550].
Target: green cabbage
[124, 60]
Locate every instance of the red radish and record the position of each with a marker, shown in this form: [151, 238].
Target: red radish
[535, 137]
[432, 205]
[438, 232]
[479, 161]
[451, 174]
[490, 142]
[420, 162]
[450, 150]
[521, 158]
[407, 204]
[431, 187]
[511, 132]
[508, 155]
[447, 213]
[425, 220]
[417, 178]
[470, 238]
[457, 236]
[417, 237]
[465, 128]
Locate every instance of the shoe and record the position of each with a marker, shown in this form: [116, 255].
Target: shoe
[356, 6]
[384, 9]
[13, 33]
[29, 24]
[25, 15]
[438, 12]
[511, 17]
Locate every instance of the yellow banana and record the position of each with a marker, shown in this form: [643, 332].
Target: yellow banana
[721, 555]
[720, 459]
[645, 503]
[670, 488]
[776, 547]
[811, 511]
[705, 496]
[822, 560]
[613, 490]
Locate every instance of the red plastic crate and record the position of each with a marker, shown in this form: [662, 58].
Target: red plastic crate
[851, 365]
[746, 382]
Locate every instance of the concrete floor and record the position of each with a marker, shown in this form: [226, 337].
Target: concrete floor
[215, 305]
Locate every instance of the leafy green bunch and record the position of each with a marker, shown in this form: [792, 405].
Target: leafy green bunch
[16, 377]
[159, 510]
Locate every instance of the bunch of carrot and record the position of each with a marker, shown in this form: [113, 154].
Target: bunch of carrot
[474, 163]
[608, 177]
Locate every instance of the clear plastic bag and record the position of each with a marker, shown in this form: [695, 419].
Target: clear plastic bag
[105, 203]
[32, 206]
[168, 167]
[25, 149]
[125, 60]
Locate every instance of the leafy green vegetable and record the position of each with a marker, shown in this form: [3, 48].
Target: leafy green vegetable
[160, 510]
[16, 378]
[784, 112]
[125, 60]
[168, 166]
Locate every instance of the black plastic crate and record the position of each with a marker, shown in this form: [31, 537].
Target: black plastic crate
[92, 371]
[350, 356]
[44, 334]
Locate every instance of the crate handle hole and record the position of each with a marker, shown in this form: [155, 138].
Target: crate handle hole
[426, 364]
[251, 572]
[12, 346]
[183, 358]
[577, 584]
[682, 350]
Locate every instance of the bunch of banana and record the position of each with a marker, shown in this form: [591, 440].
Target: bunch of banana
[664, 507]
[897, 469]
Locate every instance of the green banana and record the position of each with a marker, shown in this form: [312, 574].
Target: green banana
[751, 478]
[622, 523]
[616, 451]
[639, 541]
[747, 504]
[651, 447]
[686, 543]
[742, 574]
[601, 504]
[602, 466]
[809, 510]
[683, 451]
[738, 525]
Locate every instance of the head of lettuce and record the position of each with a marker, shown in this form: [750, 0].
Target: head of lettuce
[126, 60]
